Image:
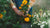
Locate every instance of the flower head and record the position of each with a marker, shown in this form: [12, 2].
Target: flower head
[1, 16]
[24, 2]
[29, 15]
[26, 19]
[20, 7]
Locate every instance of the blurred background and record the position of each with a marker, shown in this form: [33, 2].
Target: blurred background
[40, 11]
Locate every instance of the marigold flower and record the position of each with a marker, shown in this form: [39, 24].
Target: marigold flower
[20, 7]
[21, 4]
[24, 2]
[1, 16]
[26, 19]
[29, 15]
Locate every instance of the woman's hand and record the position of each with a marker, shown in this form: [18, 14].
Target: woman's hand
[20, 13]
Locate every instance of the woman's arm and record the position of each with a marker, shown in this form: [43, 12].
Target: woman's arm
[15, 9]
[13, 6]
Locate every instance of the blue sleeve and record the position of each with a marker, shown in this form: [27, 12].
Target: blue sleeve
[30, 11]
[18, 3]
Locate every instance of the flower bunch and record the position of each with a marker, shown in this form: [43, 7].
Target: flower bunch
[28, 18]
[24, 6]
[2, 14]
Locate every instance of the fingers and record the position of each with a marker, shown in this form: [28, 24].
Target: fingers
[22, 14]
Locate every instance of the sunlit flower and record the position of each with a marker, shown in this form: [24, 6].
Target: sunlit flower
[20, 7]
[24, 2]
[1, 16]
[29, 15]
[26, 19]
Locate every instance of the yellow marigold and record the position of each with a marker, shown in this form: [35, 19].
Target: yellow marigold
[26, 19]
[4, 11]
[29, 15]
[1, 16]
[24, 2]
[20, 7]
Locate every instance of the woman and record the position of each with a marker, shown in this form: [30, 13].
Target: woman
[17, 11]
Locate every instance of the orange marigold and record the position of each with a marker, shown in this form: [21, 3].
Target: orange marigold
[20, 7]
[22, 4]
[1, 16]
[29, 15]
[26, 19]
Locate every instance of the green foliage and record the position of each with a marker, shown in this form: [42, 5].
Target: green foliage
[10, 18]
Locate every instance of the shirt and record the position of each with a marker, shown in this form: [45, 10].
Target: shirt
[18, 4]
